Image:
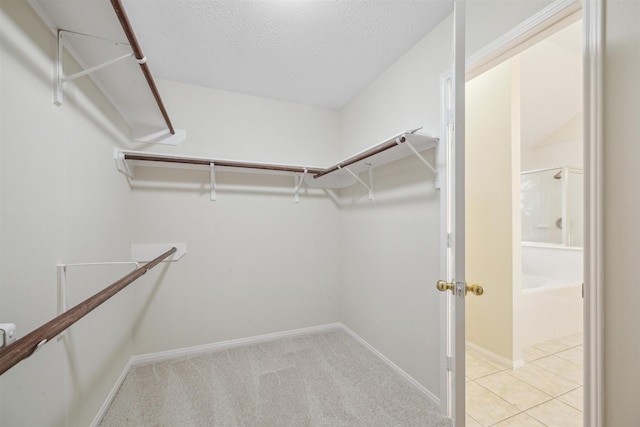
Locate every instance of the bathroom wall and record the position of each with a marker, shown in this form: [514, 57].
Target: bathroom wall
[562, 148]
[556, 61]
[492, 150]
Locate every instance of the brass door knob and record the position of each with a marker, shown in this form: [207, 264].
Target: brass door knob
[475, 289]
[445, 286]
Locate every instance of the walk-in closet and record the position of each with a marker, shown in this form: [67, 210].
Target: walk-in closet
[249, 213]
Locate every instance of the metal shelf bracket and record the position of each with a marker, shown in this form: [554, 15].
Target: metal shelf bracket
[367, 186]
[297, 183]
[214, 196]
[58, 71]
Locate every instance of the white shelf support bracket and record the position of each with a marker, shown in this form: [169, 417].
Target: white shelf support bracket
[121, 163]
[213, 182]
[58, 71]
[367, 186]
[370, 182]
[62, 283]
[297, 184]
[62, 289]
[429, 165]
[58, 94]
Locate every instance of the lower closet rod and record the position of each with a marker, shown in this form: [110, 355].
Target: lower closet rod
[30, 343]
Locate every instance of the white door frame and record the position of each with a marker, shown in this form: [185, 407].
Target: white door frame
[516, 40]
[592, 15]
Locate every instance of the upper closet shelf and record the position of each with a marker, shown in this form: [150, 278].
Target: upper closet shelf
[340, 175]
[100, 39]
[404, 144]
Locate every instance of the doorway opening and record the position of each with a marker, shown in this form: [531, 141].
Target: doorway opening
[524, 195]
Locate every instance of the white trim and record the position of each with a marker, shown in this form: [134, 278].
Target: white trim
[511, 364]
[522, 36]
[419, 387]
[206, 348]
[593, 247]
[112, 395]
[551, 246]
[142, 359]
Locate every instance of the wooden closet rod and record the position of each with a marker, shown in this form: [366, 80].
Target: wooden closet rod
[351, 160]
[225, 163]
[142, 60]
[316, 172]
[27, 345]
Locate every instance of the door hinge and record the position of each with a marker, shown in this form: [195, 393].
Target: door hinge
[451, 363]
[450, 116]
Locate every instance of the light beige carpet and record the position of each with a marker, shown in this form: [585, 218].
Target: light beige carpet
[322, 379]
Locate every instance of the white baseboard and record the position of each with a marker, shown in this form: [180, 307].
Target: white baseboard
[199, 349]
[422, 389]
[205, 348]
[511, 364]
[111, 395]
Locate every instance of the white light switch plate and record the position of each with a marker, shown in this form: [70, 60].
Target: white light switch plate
[7, 334]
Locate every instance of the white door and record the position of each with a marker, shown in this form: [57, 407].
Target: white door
[452, 282]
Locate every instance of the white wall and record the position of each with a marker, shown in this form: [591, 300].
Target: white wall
[621, 110]
[562, 148]
[390, 247]
[61, 202]
[256, 262]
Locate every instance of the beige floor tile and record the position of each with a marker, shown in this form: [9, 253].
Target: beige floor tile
[477, 367]
[544, 380]
[574, 355]
[569, 370]
[483, 357]
[486, 407]
[552, 346]
[556, 414]
[470, 422]
[572, 340]
[574, 398]
[531, 353]
[520, 420]
[515, 391]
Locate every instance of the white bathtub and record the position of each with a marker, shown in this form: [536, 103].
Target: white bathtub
[549, 308]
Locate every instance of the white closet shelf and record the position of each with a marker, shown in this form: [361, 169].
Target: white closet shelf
[404, 144]
[340, 175]
[99, 37]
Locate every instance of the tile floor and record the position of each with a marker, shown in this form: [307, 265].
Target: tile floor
[546, 391]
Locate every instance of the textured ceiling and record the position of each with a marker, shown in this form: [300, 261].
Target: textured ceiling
[317, 52]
